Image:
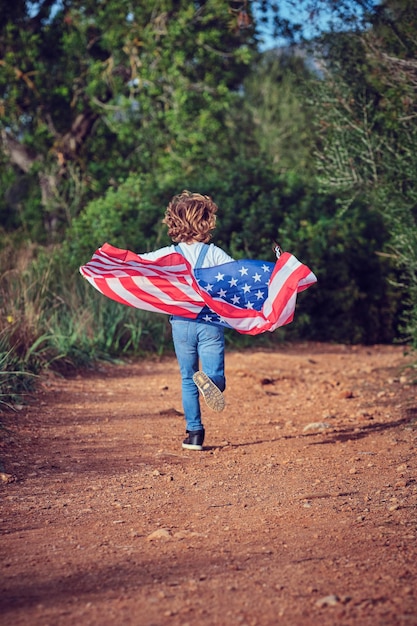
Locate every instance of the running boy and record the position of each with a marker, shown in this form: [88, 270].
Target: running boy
[190, 218]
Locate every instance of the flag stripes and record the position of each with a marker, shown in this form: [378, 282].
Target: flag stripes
[249, 296]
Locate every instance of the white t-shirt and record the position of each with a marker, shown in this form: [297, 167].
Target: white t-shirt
[191, 251]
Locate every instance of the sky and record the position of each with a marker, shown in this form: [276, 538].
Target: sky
[311, 28]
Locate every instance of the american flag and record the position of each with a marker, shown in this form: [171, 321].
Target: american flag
[249, 296]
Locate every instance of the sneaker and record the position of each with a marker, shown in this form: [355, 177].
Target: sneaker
[210, 392]
[194, 440]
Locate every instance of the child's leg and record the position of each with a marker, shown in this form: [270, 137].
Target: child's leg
[211, 353]
[184, 335]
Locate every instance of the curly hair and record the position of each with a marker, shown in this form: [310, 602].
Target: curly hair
[190, 217]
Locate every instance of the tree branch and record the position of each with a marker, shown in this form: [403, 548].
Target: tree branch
[19, 154]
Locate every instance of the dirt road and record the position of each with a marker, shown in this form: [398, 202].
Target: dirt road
[300, 511]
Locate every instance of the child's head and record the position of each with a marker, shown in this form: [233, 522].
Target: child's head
[190, 217]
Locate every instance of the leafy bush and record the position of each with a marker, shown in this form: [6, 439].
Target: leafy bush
[356, 299]
[127, 217]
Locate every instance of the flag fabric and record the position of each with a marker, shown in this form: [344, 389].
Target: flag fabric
[249, 296]
[254, 296]
[162, 286]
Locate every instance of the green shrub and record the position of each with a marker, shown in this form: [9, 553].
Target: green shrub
[355, 300]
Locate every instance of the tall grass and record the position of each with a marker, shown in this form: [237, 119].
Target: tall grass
[51, 318]
[15, 381]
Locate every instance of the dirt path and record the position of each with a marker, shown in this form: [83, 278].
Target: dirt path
[301, 510]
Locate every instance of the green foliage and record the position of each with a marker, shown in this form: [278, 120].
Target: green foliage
[355, 300]
[252, 198]
[369, 135]
[98, 91]
[279, 115]
[128, 217]
[347, 250]
[50, 318]
[108, 109]
[15, 379]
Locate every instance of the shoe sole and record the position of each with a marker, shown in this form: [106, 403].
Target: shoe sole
[192, 446]
[210, 392]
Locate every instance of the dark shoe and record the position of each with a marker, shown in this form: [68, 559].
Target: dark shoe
[210, 392]
[194, 440]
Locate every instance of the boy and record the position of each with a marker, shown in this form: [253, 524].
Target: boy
[123, 276]
[190, 218]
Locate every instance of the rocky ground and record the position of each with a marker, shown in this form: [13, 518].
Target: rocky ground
[301, 510]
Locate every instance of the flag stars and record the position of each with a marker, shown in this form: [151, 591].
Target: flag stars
[244, 288]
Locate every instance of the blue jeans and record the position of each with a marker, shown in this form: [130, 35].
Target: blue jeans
[194, 341]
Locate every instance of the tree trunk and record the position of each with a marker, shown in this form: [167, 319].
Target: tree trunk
[51, 176]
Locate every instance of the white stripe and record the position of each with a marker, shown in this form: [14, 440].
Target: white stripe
[141, 264]
[308, 280]
[97, 267]
[278, 282]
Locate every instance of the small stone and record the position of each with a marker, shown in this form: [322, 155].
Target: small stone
[267, 381]
[7, 478]
[330, 600]
[316, 426]
[161, 533]
[394, 507]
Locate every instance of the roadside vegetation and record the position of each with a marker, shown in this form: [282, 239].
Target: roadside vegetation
[107, 112]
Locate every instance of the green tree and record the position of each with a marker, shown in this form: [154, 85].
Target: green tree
[92, 91]
[278, 112]
[369, 137]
